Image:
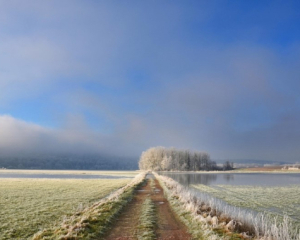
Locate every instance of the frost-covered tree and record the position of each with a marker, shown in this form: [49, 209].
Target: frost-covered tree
[166, 163]
[171, 159]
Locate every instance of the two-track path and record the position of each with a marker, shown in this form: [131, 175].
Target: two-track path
[168, 225]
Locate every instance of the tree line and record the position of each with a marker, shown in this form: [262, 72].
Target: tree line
[172, 159]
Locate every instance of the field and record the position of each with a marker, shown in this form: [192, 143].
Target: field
[29, 205]
[274, 200]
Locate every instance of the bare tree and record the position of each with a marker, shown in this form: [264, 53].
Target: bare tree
[228, 165]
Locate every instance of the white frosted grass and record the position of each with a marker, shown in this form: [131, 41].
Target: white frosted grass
[261, 224]
[28, 205]
[189, 203]
[73, 225]
[116, 194]
[273, 201]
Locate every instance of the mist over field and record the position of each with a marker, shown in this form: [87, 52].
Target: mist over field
[112, 79]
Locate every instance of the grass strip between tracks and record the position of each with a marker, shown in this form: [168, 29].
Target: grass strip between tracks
[146, 228]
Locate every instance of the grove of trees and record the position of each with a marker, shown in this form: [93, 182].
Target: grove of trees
[172, 159]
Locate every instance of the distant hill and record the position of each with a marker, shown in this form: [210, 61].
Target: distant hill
[69, 161]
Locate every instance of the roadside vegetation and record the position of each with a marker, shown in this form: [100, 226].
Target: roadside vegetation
[210, 218]
[184, 205]
[28, 205]
[276, 201]
[93, 221]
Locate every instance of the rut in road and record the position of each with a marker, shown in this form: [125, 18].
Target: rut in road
[168, 225]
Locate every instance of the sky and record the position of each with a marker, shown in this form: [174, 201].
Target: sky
[119, 77]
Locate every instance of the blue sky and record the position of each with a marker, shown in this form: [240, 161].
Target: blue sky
[118, 77]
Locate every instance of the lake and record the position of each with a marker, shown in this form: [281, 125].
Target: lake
[250, 179]
[60, 176]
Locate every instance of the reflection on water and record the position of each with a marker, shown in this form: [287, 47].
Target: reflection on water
[256, 179]
[187, 178]
[228, 177]
[61, 176]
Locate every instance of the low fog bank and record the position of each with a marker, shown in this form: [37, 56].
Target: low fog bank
[26, 145]
[75, 146]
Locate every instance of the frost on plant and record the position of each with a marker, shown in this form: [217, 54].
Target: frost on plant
[219, 217]
[93, 221]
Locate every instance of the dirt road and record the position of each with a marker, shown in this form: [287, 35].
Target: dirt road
[168, 225]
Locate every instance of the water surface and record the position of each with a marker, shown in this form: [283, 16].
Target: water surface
[60, 176]
[251, 179]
